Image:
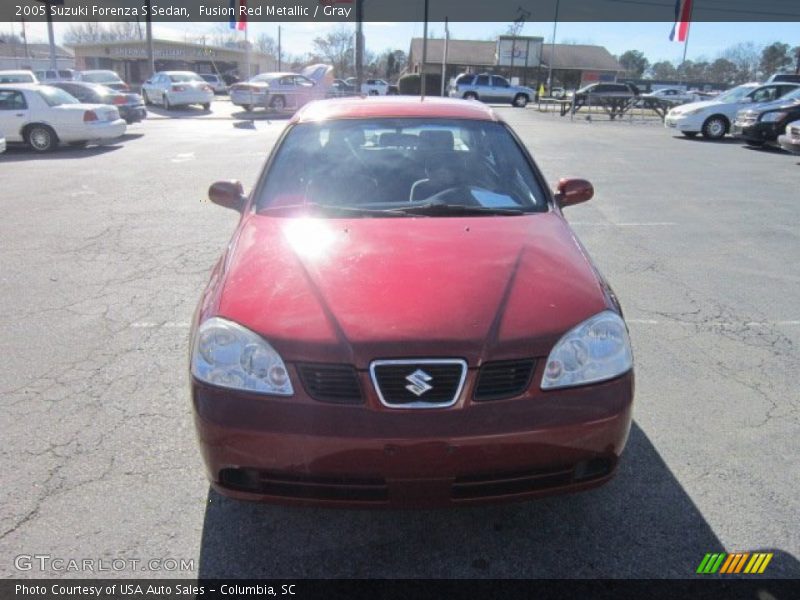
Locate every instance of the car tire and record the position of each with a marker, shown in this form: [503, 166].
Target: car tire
[167, 103]
[278, 103]
[79, 144]
[689, 134]
[470, 96]
[41, 138]
[146, 98]
[520, 101]
[374, 93]
[207, 106]
[247, 107]
[715, 127]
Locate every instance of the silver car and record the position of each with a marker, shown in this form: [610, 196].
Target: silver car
[177, 88]
[283, 92]
[491, 88]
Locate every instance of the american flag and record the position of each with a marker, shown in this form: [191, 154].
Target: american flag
[683, 14]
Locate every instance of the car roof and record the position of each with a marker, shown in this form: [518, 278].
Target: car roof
[17, 71]
[394, 106]
[177, 72]
[23, 86]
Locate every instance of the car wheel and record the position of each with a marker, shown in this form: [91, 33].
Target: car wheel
[278, 103]
[374, 93]
[470, 96]
[41, 138]
[715, 127]
[247, 107]
[689, 134]
[167, 103]
[520, 101]
[207, 106]
[146, 98]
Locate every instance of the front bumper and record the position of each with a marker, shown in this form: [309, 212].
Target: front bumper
[755, 131]
[687, 123]
[790, 144]
[300, 451]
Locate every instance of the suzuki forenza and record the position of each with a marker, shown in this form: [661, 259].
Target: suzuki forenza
[403, 317]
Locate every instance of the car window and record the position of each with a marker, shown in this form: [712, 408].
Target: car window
[499, 82]
[101, 77]
[765, 94]
[465, 79]
[16, 78]
[386, 163]
[184, 77]
[303, 82]
[12, 100]
[482, 80]
[54, 96]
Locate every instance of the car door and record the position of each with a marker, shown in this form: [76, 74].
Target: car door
[14, 114]
[483, 88]
[501, 89]
[305, 89]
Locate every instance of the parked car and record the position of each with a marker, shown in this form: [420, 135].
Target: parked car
[42, 116]
[713, 118]
[375, 87]
[763, 123]
[283, 92]
[18, 76]
[597, 93]
[558, 92]
[2, 143]
[177, 88]
[130, 106]
[490, 88]
[104, 77]
[50, 75]
[784, 78]
[348, 352]
[675, 96]
[216, 82]
[790, 141]
[340, 88]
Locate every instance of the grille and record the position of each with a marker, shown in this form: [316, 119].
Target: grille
[358, 489]
[437, 381]
[503, 379]
[508, 484]
[337, 384]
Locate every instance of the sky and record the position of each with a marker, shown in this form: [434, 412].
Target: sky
[706, 40]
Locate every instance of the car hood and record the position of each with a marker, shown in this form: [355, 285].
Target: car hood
[774, 105]
[684, 108]
[353, 290]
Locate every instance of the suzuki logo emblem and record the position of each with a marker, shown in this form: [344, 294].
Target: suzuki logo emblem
[418, 382]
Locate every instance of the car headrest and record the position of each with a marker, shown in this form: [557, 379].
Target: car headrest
[437, 139]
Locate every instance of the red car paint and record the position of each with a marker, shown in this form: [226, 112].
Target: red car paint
[350, 291]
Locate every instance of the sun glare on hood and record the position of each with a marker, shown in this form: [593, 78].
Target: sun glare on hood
[310, 238]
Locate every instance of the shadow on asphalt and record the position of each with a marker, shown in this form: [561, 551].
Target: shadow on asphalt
[261, 115]
[701, 140]
[180, 113]
[641, 524]
[23, 153]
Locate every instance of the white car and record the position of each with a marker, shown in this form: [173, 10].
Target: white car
[2, 143]
[283, 92]
[375, 87]
[790, 141]
[675, 96]
[216, 82]
[177, 88]
[42, 116]
[18, 77]
[713, 118]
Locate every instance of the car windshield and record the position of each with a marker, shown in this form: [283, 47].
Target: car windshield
[264, 77]
[184, 77]
[793, 95]
[736, 94]
[433, 167]
[16, 78]
[101, 76]
[55, 96]
[210, 78]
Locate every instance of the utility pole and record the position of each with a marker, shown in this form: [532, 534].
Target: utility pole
[151, 62]
[25, 39]
[359, 44]
[552, 52]
[279, 48]
[424, 53]
[444, 54]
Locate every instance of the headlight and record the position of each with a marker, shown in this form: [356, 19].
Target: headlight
[694, 111]
[230, 356]
[596, 350]
[771, 117]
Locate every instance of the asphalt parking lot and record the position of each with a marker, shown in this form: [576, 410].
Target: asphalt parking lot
[106, 250]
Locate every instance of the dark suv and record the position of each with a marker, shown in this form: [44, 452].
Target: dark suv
[763, 123]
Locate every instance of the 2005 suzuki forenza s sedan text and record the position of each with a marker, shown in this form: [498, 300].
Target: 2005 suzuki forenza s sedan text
[404, 318]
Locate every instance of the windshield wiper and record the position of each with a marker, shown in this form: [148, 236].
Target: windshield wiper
[330, 210]
[455, 210]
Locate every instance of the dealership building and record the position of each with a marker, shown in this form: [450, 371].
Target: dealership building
[525, 58]
[129, 58]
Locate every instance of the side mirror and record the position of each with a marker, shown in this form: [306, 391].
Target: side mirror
[573, 191]
[229, 194]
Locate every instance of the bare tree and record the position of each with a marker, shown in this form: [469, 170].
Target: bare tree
[746, 57]
[337, 48]
[92, 31]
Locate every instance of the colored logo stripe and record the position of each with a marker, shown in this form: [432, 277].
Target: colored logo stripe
[740, 562]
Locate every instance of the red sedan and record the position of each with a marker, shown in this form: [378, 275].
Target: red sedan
[403, 317]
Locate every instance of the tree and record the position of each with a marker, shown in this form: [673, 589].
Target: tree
[663, 70]
[634, 62]
[746, 58]
[337, 48]
[693, 71]
[774, 58]
[92, 31]
[10, 38]
[721, 71]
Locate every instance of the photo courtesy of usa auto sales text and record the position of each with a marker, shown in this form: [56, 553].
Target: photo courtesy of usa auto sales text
[137, 590]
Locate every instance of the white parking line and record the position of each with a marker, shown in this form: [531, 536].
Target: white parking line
[167, 325]
[185, 157]
[628, 224]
